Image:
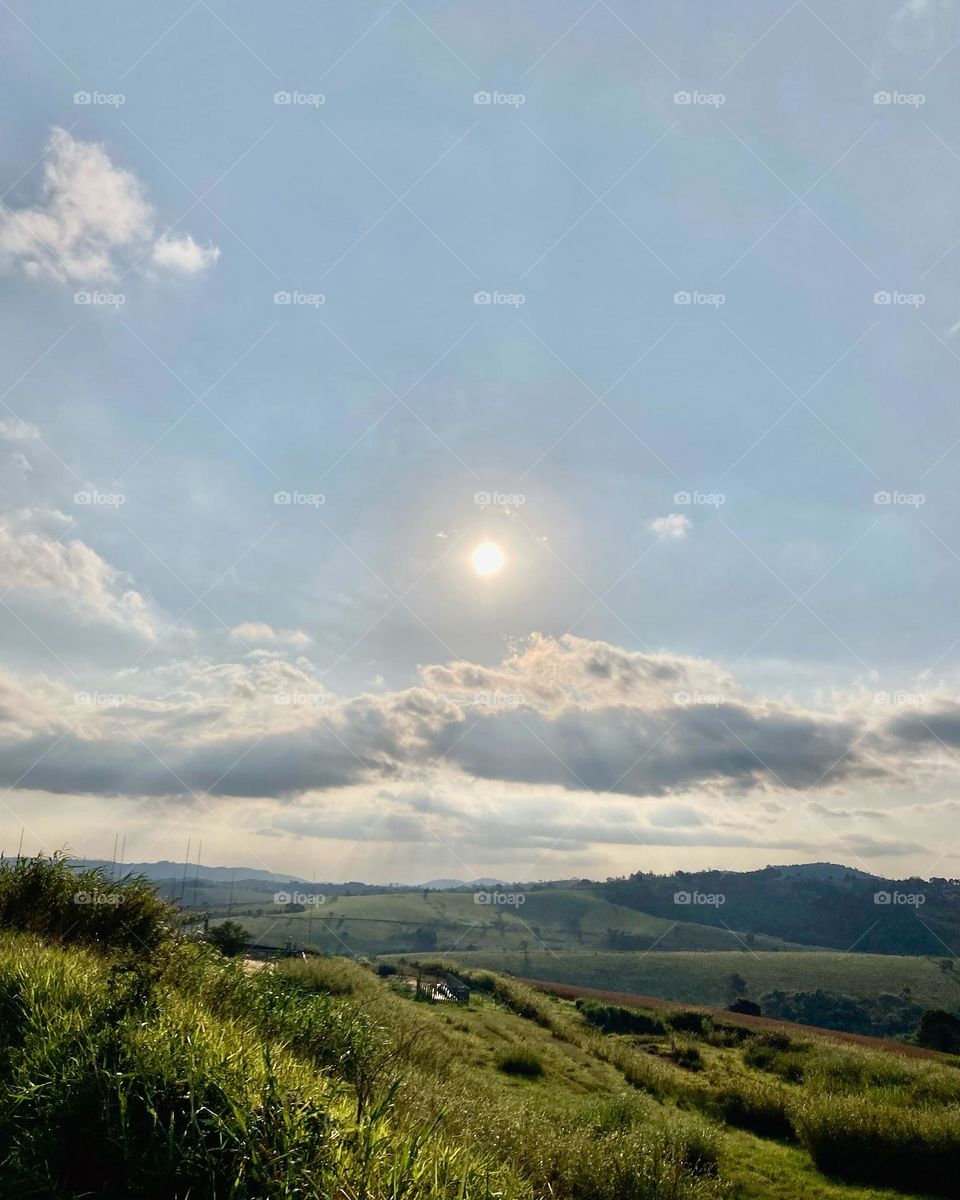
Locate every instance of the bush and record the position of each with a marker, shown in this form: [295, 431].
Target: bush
[914, 1149]
[939, 1030]
[749, 1008]
[47, 897]
[519, 1062]
[614, 1018]
[690, 1021]
[229, 937]
[755, 1105]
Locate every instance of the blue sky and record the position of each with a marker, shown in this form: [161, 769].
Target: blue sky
[708, 415]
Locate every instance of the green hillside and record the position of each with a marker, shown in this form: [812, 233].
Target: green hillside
[134, 1063]
[707, 978]
[550, 919]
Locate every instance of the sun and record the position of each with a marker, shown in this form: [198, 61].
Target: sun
[487, 558]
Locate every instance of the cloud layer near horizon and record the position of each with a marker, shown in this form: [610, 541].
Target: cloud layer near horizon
[561, 713]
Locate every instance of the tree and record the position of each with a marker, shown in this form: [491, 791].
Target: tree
[230, 938]
[939, 1030]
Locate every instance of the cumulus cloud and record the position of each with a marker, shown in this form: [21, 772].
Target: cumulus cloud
[90, 218]
[579, 717]
[183, 254]
[70, 576]
[674, 525]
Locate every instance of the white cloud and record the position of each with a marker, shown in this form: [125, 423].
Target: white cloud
[261, 633]
[672, 526]
[183, 254]
[71, 576]
[91, 217]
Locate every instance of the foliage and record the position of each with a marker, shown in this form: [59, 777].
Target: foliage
[229, 937]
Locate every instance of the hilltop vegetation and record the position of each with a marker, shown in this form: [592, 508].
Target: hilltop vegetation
[545, 918]
[874, 994]
[819, 904]
[177, 1074]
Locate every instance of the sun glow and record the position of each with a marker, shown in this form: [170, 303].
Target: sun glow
[487, 559]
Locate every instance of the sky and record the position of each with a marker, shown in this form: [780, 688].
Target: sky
[655, 304]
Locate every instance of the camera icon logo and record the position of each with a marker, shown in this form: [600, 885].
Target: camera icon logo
[682, 98]
[281, 498]
[282, 297]
[482, 98]
[481, 897]
[681, 897]
[282, 97]
[482, 297]
[882, 298]
[682, 297]
[82, 98]
[881, 897]
[882, 97]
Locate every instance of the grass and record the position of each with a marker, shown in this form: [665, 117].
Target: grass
[555, 919]
[704, 978]
[180, 1074]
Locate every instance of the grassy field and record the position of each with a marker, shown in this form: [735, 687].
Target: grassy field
[704, 978]
[135, 1063]
[552, 919]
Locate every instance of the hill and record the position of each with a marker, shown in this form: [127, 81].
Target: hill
[548, 919]
[881, 995]
[136, 1063]
[820, 903]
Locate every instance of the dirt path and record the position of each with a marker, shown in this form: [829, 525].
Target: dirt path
[569, 991]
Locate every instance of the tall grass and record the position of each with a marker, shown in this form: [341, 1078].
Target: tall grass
[47, 897]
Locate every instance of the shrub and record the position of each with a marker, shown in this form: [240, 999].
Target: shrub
[614, 1018]
[519, 1062]
[229, 937]
[755, 1105]
[689, 1020]
[939, 1030]
[914, 1149]
[47, 897]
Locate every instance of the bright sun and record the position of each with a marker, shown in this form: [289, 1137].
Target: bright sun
[487, 559]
